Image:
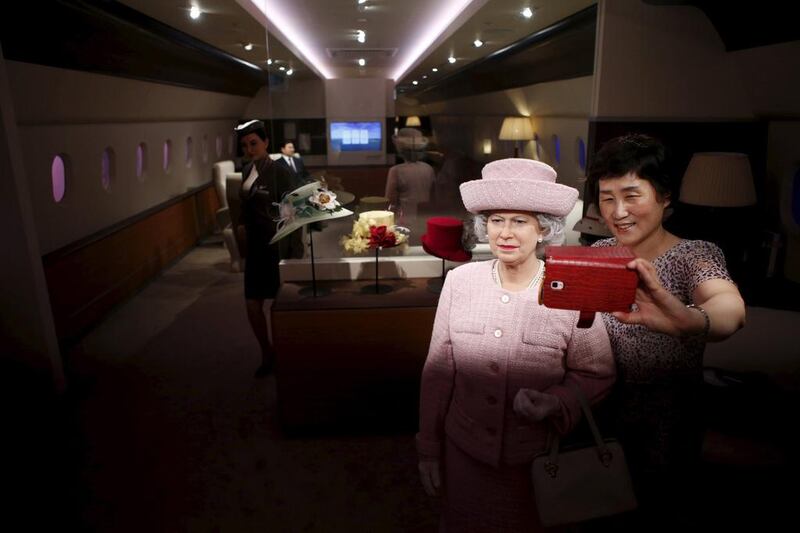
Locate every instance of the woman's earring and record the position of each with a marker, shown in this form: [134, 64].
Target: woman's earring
[540, 240]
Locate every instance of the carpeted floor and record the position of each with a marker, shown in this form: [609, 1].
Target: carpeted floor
[164, 428]
[177, 435]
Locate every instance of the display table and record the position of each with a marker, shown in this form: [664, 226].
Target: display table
[350, 358]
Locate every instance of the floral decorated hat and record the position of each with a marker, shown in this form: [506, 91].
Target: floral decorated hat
[310, 203]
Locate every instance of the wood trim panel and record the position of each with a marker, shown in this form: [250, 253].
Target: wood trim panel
[88, 281]
[360, 367]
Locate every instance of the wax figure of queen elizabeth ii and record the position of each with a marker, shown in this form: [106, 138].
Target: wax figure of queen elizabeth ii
[501, 368]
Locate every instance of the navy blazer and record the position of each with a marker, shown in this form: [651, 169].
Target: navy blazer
[301, 175]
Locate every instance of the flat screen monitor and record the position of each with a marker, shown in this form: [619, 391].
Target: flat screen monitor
[356, 136]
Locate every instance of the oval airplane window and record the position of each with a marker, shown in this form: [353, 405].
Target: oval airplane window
[204, 148]
[581, 149]
[557, 148]
[167, 155]
[58, 177]
[189, 150]
[108, 168]
[141, 161]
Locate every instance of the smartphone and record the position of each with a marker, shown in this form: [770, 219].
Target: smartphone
[588, 279]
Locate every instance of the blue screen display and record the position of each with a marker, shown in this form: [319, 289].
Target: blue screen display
[356, 136]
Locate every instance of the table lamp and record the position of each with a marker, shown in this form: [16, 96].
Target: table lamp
[516, 129]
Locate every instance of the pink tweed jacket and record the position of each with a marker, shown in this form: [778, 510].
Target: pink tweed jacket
[487, 344]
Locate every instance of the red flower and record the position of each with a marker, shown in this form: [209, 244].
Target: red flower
[380, 237]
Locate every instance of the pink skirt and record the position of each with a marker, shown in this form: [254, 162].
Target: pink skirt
[482, 498]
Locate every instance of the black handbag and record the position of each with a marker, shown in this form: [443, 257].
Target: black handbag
[581, 482]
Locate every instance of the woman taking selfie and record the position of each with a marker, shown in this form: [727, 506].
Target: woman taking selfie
[684, 299]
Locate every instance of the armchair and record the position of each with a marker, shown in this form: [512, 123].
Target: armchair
[227, 184]
[220, 171]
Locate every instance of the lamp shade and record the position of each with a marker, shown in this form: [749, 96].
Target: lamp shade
[413, 122]
[718, 179]
[516, 129]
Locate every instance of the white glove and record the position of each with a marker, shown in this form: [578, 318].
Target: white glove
[429, 474]
[535, 405]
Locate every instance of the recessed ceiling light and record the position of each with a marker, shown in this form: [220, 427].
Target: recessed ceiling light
[361, 36]
[362, 62]
[415, 82]
[434, 69]
[248, 46]
[281, 68]
[290, 72]
[451, 59]
[527, 13]
[362, 1]
[195, 12]
[269, 61]
[425, 77]
[477, 43]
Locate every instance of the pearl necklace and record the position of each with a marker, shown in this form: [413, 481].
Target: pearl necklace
[536, 279]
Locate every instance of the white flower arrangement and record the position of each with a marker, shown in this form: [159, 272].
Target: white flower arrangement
[366, 235]
[324, 200]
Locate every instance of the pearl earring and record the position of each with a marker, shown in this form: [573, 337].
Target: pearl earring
[540, 240]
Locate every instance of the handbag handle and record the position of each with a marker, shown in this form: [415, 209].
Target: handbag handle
[603, 453]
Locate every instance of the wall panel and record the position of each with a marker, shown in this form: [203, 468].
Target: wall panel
[89, 278]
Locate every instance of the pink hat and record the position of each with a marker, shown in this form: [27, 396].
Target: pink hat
[518, 185]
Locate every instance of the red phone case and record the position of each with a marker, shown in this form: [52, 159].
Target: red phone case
[588, 280]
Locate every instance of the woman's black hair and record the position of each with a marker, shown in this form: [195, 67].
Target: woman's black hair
[254, 126]
[633, 153]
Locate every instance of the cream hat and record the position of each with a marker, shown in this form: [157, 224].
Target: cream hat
[410, 139]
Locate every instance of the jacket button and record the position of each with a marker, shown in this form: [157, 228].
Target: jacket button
[505, 298]
[498, 333]
[491, 400]
[491, 431]
[494, 367]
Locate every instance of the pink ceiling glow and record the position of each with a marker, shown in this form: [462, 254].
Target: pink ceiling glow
[289, 21]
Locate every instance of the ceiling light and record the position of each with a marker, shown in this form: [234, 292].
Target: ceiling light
[281, 68]
[434, 69]
[362, 1]
[195, 12]
[445, 14]
[269, 61]
[362, 62]
[248, 46]
[451, 59]
[279, 21]
[425, 77]
[415, 82]
[477, 43]
[290, 72]
[527, 13]
[361, 36]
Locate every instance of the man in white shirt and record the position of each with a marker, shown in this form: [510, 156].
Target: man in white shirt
[293, 163]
